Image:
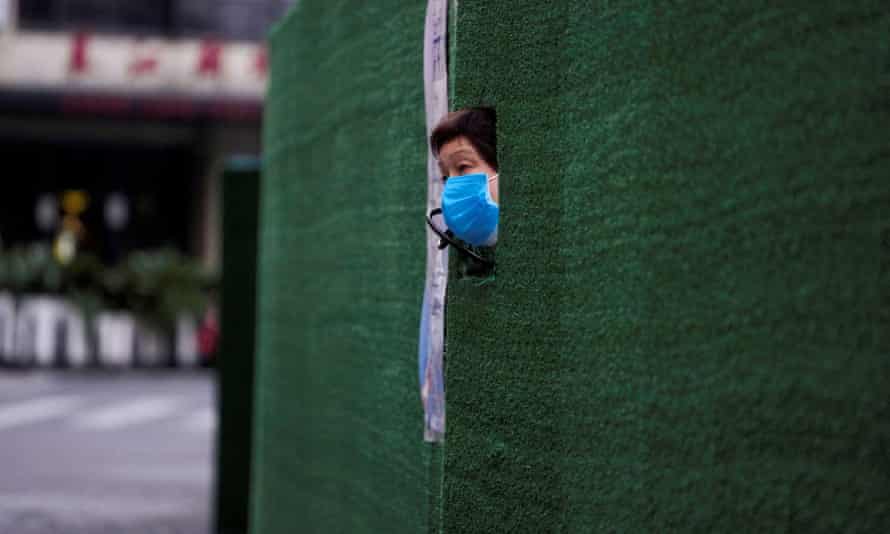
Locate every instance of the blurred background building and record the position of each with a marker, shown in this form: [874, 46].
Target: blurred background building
[116, 117]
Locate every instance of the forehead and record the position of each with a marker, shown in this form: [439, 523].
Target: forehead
[458, 147]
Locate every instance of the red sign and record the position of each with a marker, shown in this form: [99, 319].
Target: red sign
[78, 63]
[210, 59]
[144, 61]
[261, 62]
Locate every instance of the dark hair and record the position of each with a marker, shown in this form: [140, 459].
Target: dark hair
[477, 124]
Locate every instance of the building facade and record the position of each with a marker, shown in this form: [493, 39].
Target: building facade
[136, 104]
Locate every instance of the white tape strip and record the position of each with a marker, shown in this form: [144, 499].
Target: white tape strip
[432, 324]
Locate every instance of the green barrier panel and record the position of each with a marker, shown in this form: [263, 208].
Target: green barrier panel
[236, 357]
[689, 326]
[339, 423]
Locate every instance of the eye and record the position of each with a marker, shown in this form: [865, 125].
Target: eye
[463, 167]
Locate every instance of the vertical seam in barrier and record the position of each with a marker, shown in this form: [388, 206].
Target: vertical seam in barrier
[255, 482]
[451, 57]
[257, 434]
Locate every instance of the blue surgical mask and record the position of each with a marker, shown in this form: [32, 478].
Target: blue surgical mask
[469, 211]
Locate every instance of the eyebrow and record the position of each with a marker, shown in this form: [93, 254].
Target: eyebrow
[463, 152]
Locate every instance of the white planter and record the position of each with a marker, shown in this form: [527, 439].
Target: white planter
[37, 320]
[41, 329]
[152, 347]
[115, 331]
[7, 326]
[187, 354]
[77, 348]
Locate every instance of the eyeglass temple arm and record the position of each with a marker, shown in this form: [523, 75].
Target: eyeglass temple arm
[447, 237]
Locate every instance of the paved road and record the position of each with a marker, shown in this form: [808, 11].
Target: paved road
[97, 453]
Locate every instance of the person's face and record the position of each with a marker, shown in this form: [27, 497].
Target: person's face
[459, 157]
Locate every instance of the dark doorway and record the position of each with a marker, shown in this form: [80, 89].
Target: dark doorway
[158, 184]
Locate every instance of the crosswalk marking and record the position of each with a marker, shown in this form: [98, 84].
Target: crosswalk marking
[36, 410]
[203, 420]
[75, 411]
[127, 413]
[86, 505]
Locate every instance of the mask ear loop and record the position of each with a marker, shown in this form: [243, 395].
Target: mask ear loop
[447, 237]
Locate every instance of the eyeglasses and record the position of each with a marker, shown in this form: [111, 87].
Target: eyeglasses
[447, 237]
